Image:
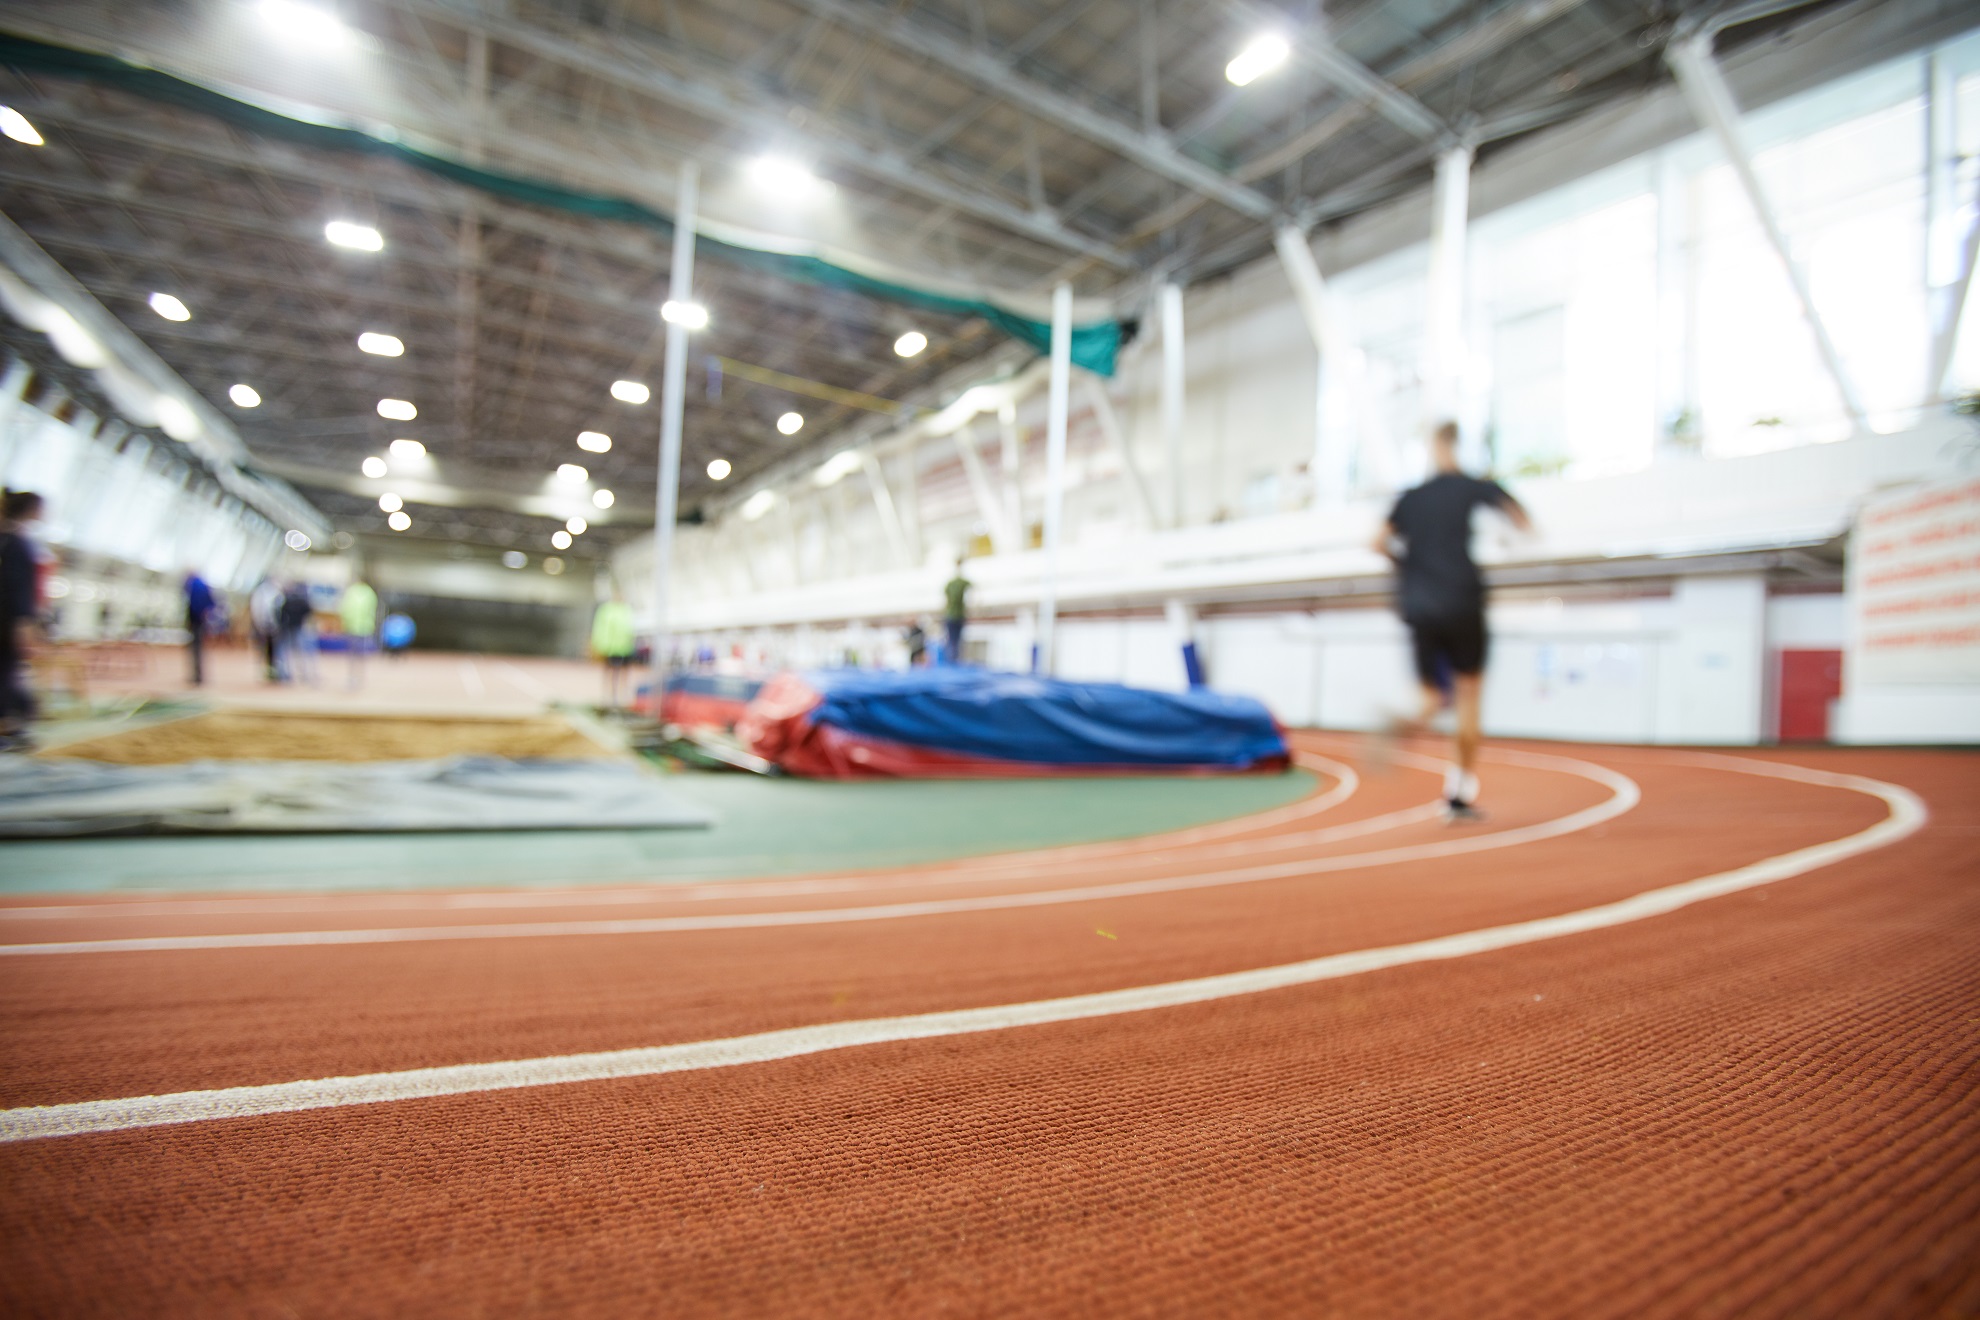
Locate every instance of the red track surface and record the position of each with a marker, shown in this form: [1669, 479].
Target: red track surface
[1761, 1104]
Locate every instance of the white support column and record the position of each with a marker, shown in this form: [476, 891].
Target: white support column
[1011, 456]
[1110, 426]
[673, 401]
[1333, 434]
[1055, 470]
[1172, 395]
[1673, 341]
[1712, 103]
[883, 502]
[979, 486]
[1951, 308]
[1443, 323]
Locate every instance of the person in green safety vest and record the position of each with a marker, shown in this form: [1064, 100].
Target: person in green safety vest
[613, 643]
[955, 613]
[358, 611]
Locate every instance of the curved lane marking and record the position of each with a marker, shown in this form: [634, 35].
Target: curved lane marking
[1906, 814]
[1624, 794]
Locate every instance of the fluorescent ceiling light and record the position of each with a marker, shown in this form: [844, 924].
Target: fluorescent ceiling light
[244, 396]
[758, 504]
[910, 343]
[177, 420]
[408, 450]
[349, 234]
[399, 521]
[169, 307]
[788, 179]
[602, 498]
[397, 410]
[1257, 59]
[514, 559]
[595, 442]
[836, 467]
[381, 345]
[572, 472]
[577, 526]
[790, 422]
[719, 468]
[630, 391]
[561, 539]
[687, 315]
[374, 466]
[304, 24]
[15, 125]
[390, 503]
[295, 540]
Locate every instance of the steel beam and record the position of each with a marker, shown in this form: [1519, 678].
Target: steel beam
[979, 486]
[1110, 427]
[673, 398]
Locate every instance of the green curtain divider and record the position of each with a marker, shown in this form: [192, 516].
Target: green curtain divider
[1094, 347]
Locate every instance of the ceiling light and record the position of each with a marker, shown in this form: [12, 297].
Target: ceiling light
[572, 472]
[594, 442]
[390, 503]
[1257, 59]
[602, 498]
[398, 410]
[719, 468]
[374, 466]
[346, 234]
[382, 345]
[398, 522]
[304, 24]
[169, 307]
[836, 467]
[514, 559]
[295, 540]
[788, 179]
[15, 125]
[758, 504]
[910, 343]
[687, 315]
[553, 565]
[561, 539]
[630, 391]
[244, 396]
[576, 526]
[407, 450]
[789, 423]
[177, 420]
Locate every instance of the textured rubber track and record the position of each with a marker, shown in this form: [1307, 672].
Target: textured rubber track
[1760, 1105]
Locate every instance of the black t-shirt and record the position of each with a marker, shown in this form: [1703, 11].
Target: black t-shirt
[1437, 578]
[18, 586]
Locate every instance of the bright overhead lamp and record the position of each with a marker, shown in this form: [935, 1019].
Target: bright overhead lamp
[594, 442]
[514, 559]
[687, 315]
[561, 539]
[397, 410]
[244, 396]
[758, 504]
[304, 24]
[910, 343]
[373, 466]
[630, 391]
[602, 498]
[381, 345]
[169, 307]
[390, 503]
[786, 178]
[719, 468]
[833, 469]
[296, 540]
[577, 526]
[349, 234]
[399, 521]
[15, 125]
[572, 472]
[1262, 55]
[790, 423]
[407, 451]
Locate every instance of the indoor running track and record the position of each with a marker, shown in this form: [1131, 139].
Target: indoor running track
[1672, 1033]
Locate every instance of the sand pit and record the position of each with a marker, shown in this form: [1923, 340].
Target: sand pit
[284, 736]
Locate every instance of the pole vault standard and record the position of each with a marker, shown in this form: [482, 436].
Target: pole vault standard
[673, 400]
[1055, 471]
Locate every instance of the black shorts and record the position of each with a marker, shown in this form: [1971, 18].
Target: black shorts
[1448, 646]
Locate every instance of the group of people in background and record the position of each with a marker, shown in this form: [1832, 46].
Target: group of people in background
[23, 568]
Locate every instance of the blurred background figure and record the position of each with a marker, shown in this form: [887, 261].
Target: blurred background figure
[359, 612]
[265, 616]
[200, 615]
[917, 645]
[396, 634]
[297, 632]
[20, 614]
[955, 613]
[612, 642]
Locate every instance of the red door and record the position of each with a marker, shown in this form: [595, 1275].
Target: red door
[1810, 680]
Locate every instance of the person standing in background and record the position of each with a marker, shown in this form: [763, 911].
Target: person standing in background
[359, 612]
[199, 617]
[298, 633]
[265, 614]
[612, 641]
[955, 613]
[20, 614]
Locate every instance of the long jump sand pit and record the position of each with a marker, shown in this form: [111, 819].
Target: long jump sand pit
[249, 735]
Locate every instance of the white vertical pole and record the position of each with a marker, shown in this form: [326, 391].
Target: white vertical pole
[1172, 395]
[1055, 469]
[1110, 426]
[673, 402]
[1331, 445]
[1443, 328]
[1002, 538]
[1011, 459]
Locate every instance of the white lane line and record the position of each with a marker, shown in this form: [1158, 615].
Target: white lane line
[1906, 814]
[1624, 794]
[471, 678]
[961, 870]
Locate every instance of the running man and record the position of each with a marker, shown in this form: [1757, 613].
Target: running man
[1441, 597]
